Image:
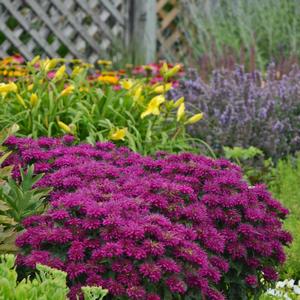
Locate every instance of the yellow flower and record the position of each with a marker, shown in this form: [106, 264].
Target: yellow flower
[147, 68]
[21, 101]
[108, 79]
[153, 106]
[108, 73]
[83, 89]
[194, 119]
[67, 91]
[104, 62]
[8, 87]
[160, 89]
[51, 64]
[178, 102]
[180, 112]
[34, 60]
[76, 71]
[137, 94]
[64, 127]
[173, 71]
[126, 84]
[60, 73]
[164, 69]
[30, 87]
[118, 134]
[33, 99]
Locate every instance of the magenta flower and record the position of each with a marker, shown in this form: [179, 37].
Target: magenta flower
[142, 226]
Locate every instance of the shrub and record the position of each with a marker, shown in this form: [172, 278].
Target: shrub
[107, 106]
[246, 109]
[150, 228]
[285, 186]
[48, 284]
[18, 200]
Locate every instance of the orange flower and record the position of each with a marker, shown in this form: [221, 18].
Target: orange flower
[108, 79]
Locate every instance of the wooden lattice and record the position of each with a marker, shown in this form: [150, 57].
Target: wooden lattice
[170, 38]
[86, 29]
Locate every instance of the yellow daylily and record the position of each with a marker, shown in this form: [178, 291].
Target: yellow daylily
[126, 84]
[104, 62]
[163, 88]
[173, 71]
[76, 71]
[118, 134]
[83, 89]
[51, 64]
[147, 68]
[33, 99]
[137, 94]
[34, 60]
[30, 87]
[8, 87]
[164, 69]
[64, 127]
[180, 112]
[194, 119]
[21, 101]
[179, 102]
[153, 106]
[67, 91]
[60, 73]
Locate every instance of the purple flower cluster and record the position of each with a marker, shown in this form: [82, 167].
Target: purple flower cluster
[246, 109]
[148, 228]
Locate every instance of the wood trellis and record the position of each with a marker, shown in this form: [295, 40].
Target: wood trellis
[86, 29]
[91, 29]
[170, 38]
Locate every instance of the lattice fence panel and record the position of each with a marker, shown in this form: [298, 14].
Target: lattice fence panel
[170, 38]
[86, 29]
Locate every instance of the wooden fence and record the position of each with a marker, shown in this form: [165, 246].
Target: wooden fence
[142, 30]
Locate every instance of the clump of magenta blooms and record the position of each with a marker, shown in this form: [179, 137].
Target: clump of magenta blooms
[246, 109]
[173, 226]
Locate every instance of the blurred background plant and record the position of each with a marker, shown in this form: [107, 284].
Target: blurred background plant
[245, 109]
[222, 33]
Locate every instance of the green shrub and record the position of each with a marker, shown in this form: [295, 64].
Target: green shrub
[256, 168]
[286, 187]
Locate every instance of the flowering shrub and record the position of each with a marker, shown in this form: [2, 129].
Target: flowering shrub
[150, 228]
[127, 107]
[246, 109]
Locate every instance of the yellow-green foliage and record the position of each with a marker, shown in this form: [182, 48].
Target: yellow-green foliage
[48, 284]
[286, 188]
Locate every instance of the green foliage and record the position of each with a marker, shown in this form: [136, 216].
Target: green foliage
[94, 292]
[286, 187]
[22, 199]
[255, 167]
[48, 284]
[264, 29]
[94, 109]
[17, 201]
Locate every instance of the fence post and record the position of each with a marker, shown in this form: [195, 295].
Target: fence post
[143, 30]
